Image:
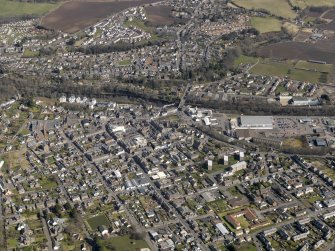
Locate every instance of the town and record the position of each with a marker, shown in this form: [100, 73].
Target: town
[147, 173]
[149, 125]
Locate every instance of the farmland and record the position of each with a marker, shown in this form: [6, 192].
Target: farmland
[279, 8]
[305, 3]
[265, 24]
[330, 15]
[74, 16]
[159, 15]
[16, 8]
[321, 51]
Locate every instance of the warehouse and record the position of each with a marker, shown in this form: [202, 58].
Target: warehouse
[256, 122]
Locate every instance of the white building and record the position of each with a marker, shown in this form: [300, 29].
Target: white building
[62, 99]
[256, 122]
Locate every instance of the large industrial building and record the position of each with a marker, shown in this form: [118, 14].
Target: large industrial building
[256, 122]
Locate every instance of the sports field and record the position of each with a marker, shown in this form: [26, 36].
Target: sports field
[286, 69]
[16, 8]
[314, 67]
[279, 8]
[296, 70]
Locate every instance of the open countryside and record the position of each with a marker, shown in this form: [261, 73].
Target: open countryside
[280, 8]
[10, 8]
[73, 16]
[266, 24]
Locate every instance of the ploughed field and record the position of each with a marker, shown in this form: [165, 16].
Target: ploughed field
[330, 15]
[319, 51]
[159, 15]
[76, 15]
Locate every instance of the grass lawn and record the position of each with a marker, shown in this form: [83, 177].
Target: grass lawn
[142, 26]
[15, 159]
[219, 206]
[281, 89]
[124, 62]
[246, 247]
[16, 8]
[12, 243]
[218, 167]
[293, 142]
[97, 221]
[123, 243]
[29, 53]
[307, 76]
[47, 183]
[271, 69]
[24, 131]
[244, 223]
[287, 69]
[279, 8]
[245, 60]
[265, 24]
[314, 198]
[301, 64]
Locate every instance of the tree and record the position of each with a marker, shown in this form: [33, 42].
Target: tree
[58, 210]
[137, 235]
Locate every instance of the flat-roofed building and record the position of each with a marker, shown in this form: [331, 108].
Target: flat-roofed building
[256, 122]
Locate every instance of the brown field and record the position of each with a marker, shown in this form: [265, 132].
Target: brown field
[159, 15]
[321, 51]
[330, 15]
[76, 15]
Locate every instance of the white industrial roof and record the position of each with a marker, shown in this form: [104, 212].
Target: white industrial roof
[256, 120]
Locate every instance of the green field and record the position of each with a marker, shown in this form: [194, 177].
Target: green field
[245, 60]
[219, 206]
[265, 24]
[97, 221]
[124, 62]
[283, 69]
[245, 247]
[122, 243]
[300, 71]
[315, 67]
[307, 76]
[279, 8]
[29, 53]
[139, 24]
[16, 8]
[278, 69]
[305, 3]
[244, 223]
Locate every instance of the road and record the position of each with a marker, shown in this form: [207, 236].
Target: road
[180, 32]
[46, 231]
[183, 97]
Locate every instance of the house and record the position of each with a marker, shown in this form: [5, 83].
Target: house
[103, 230]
